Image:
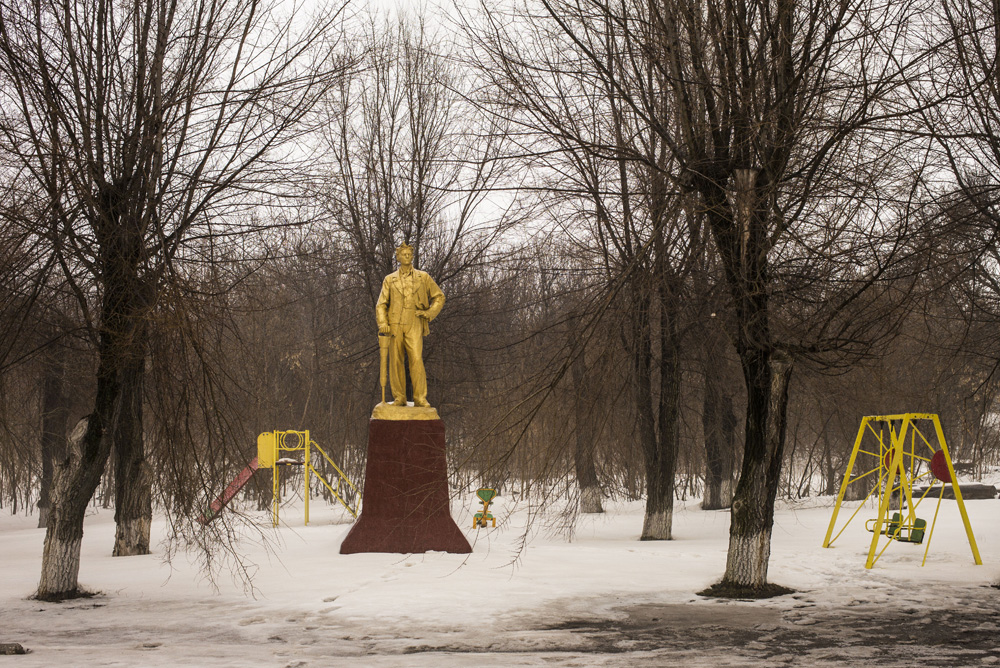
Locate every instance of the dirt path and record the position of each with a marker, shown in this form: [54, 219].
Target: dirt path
[887, 628]
[805, 635]
[798, 631]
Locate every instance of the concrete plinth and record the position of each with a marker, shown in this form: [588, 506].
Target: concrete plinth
[405, 502]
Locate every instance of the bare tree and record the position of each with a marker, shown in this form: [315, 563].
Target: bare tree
[147, 127]
[760, 108]
[960, 110]
[606, 171]
[410, 159]
[962, 102]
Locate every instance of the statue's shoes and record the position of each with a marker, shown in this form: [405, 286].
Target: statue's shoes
[399, 403]
[421, 404]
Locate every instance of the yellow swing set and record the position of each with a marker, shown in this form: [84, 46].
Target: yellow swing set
[901, 455]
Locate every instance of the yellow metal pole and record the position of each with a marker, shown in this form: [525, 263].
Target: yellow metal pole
[930, 534]
[847, 477]
[342, 478]
[906, 480]
[275, 491]
[958, 492]
[306, 475]
[274, 495]
[895, 465]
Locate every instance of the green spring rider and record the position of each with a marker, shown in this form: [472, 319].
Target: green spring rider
[486, 496]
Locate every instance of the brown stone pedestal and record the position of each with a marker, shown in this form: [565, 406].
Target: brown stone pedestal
[405, 501]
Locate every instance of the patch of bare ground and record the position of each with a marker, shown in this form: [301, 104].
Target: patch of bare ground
[865, 634]
[66, 596]
[726, 590]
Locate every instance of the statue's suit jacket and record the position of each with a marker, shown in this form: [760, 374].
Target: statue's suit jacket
[389, 308]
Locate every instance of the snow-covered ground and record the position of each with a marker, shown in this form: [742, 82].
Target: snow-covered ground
[600, 599]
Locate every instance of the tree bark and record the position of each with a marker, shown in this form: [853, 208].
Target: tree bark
[583, 455]
[77, 477]
[741, 240]
[753, 502]
[658, 445]
[133, 493]
[55, 414]
[64, 531]
[719, 433]
[657, 519]
[74, 482]
[661, 468]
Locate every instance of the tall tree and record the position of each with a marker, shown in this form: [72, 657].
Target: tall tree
[758, 108]
[147, 126]
[411, 159]
[606, 171]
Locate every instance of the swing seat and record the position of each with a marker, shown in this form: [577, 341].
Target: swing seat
[905, 533]
[913, 534]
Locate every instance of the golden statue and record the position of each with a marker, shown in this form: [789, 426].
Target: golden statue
[409, 300]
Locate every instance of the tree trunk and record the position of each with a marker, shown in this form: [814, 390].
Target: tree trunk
[586, 471]
[657, 520]
[77, 477]
[742, 241]
[658, 449]
[133, 493]
[660, 470]
[829, 475]
[74, 482]
[719, 432]
[55, 413]
[64, 532]
[730, 443]
[753, 502]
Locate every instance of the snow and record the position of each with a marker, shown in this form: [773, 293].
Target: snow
[601, 598]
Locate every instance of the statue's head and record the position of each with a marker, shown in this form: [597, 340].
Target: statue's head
[402, 250]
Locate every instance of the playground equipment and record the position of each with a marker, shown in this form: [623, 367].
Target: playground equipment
[270, 446]
[899, 465]
[486, 497]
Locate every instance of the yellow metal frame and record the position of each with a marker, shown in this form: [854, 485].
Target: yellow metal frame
[903, 469]
[271, 444]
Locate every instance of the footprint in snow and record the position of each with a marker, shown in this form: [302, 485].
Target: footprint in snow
[252, 620]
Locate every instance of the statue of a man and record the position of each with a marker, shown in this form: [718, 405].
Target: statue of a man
[409, 300]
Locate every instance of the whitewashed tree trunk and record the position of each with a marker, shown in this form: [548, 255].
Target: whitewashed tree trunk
[64, 532]
[753, 505]
[132, 537]
[746, 563]
[658, 525]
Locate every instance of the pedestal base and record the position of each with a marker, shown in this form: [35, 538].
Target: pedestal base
[405, 503]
